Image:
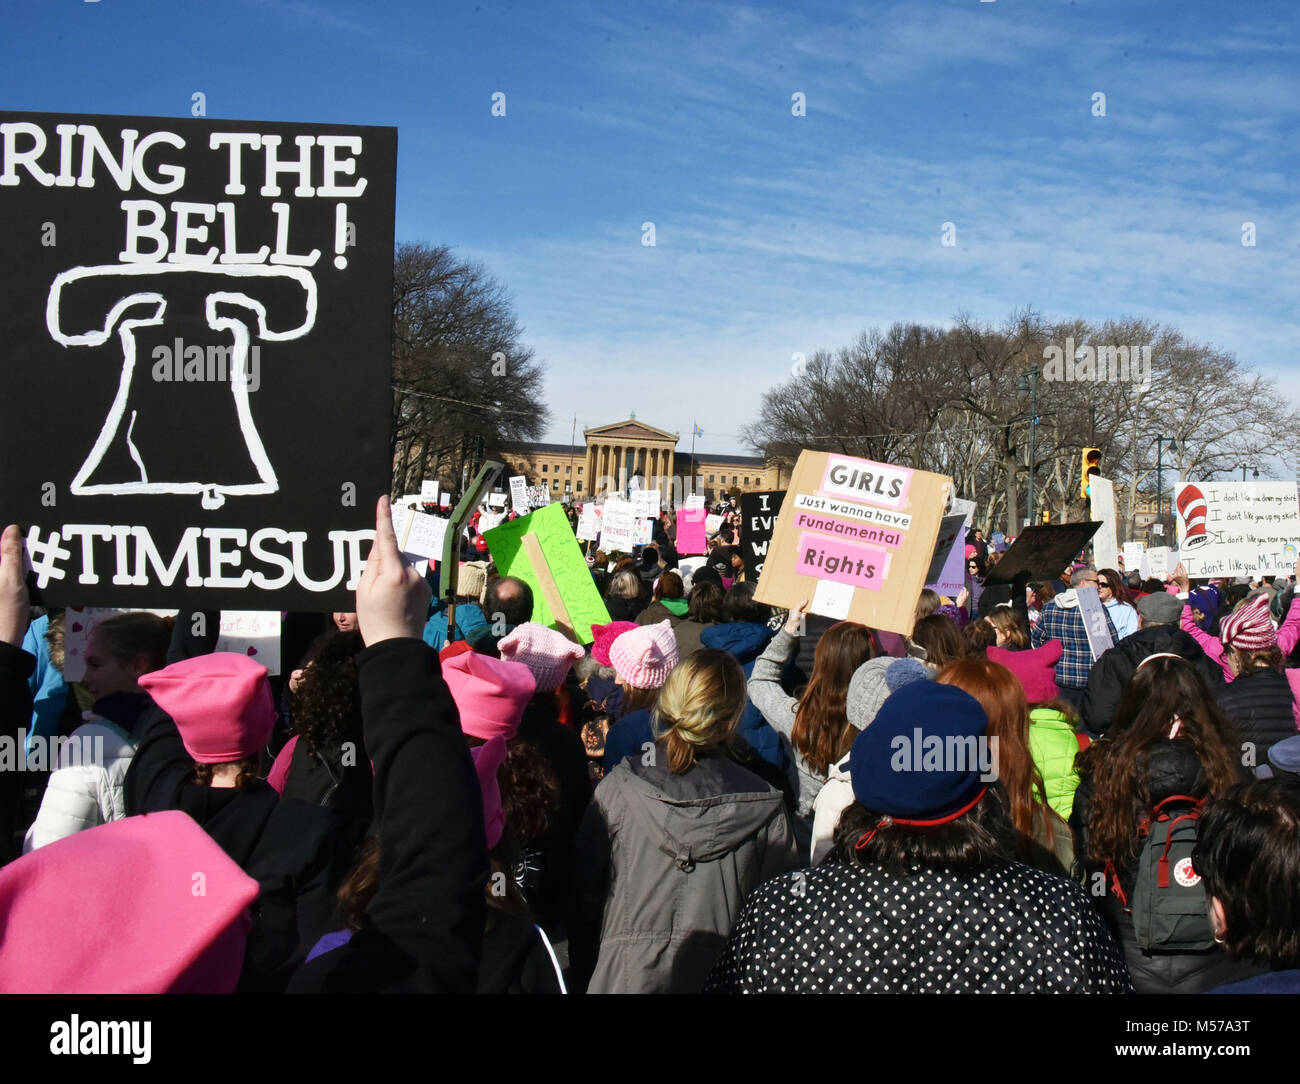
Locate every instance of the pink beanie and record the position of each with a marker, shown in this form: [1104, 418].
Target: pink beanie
[221, 703]
[487, 759]
[490, 694]
[1249, 628]
[972, 551]
[644, 656]
[547, 654]
[604, 635]
[1035, 669]
[118, 909]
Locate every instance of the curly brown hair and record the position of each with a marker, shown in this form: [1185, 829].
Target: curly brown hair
[327, 705]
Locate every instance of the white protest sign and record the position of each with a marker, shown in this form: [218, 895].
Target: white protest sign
[1094, 620]
[409, 499]
[1155, 562]
[646, 502]
[488, 520]
[519, 494]
[688, 566]
[1133, 556]
[494, 500]
[1105, 545]
[643, 532]
[695, 500]
[588, 529]
[538, 497]
[712, 524]
[1238, 528]
[429, 492]
[77, 623]
[255, 633]
[618, 526]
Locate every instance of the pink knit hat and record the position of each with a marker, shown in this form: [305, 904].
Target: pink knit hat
[1249, 628]
[604, 635]
[221, 703]
[117, 909]
[644, 656]
[490, 694]
[487, 759]
[1035, 669]
[547, 654]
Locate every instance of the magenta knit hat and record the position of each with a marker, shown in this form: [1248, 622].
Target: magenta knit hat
[645, 656]
[221, 703]
[490, 694]
[487, 759]
[548, 654]
[1249, 628]
[121, 909]
[605, 635]
[1035, 669]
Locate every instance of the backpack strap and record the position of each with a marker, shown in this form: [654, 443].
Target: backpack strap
[1118, 889]
[1185, 799]
[1162, 866]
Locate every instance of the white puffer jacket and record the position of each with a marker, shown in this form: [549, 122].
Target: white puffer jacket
[85, 789]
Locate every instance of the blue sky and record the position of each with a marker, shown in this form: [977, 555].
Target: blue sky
[774, 234]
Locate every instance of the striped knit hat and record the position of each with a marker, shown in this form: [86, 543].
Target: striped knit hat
[1249, 628]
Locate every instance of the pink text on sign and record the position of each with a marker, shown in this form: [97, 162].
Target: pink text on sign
[844, 562]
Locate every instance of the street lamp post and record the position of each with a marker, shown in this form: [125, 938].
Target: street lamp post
[1029, 383]
[1160, 507]
[1243, 472]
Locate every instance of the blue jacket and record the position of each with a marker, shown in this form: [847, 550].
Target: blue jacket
[49, 691]
[469, 615]
[745, 641]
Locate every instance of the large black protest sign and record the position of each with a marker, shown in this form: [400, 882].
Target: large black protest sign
[758, 512]
[1042, 552]
[196, 319]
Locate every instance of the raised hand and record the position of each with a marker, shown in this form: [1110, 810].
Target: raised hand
[392, 597]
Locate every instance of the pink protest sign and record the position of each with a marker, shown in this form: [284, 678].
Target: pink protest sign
[844, 562]
[690, 531]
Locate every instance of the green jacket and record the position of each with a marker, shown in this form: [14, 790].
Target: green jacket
[1053, 745]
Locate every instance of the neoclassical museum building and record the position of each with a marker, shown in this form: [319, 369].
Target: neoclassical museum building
[612, 454]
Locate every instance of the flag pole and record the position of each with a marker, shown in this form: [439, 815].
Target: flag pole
[694, 430]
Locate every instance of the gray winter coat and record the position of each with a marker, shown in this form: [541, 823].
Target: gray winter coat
[779, 707]
[665, 864]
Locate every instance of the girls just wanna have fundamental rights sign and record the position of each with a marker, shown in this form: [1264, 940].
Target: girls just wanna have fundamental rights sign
[856, 539]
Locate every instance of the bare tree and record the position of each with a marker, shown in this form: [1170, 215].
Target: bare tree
[463, 381]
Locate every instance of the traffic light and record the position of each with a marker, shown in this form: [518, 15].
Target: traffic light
[1091, 466]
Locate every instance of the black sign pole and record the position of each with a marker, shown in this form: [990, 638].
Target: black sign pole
[483, 483]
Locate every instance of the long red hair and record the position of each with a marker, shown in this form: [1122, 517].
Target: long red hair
[1003, 699]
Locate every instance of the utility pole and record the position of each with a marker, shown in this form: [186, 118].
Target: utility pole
[1029, 382]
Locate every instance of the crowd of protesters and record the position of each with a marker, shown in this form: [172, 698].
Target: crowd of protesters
[711, 796]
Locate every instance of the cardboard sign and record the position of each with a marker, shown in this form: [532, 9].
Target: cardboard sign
[519, 494]
[868, 529]
[540, 550]
[1133, 556]
[950, 550]
[1105, 546]
[1043, 551]
[646, 502]
[1238, 528]
[218, 295]
[1094, 620]
[691, 535]
[617, 526]
[758, 515]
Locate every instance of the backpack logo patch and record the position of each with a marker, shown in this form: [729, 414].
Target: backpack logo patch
[1185, 875]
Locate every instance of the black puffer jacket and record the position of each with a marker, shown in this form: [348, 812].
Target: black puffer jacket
[1260, 703]
[1172, 767]
[1117, 665]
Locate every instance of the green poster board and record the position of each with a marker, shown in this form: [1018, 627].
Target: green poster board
[540, 549]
